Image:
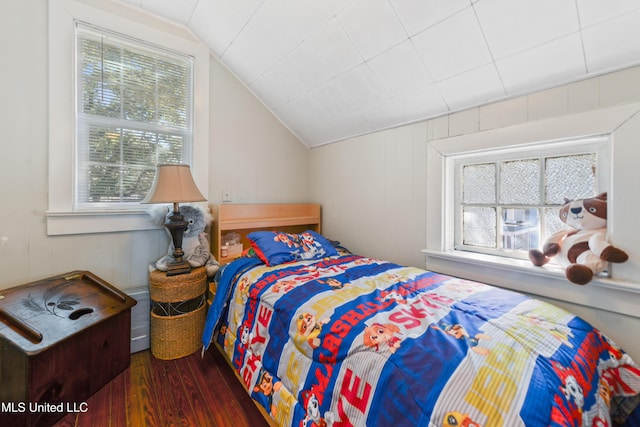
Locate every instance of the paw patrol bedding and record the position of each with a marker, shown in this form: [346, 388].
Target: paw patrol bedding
[354, 341]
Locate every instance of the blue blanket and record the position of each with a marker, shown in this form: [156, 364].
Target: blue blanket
[354, 341]
[225, 279]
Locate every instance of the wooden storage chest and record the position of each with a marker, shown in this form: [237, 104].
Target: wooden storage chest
[61, 339]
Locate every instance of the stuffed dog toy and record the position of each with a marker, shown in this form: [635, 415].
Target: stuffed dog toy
[582, 251]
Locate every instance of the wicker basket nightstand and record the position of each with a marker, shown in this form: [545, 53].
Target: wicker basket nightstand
[178, 312]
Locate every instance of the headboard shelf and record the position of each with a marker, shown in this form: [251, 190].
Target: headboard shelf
[245, 218]
[267, 222]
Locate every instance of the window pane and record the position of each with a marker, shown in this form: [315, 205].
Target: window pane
[108, 184]
[479, 182]
[552, 222]
[100, 80]
[103, 184]
[138, 105]
[173, 87]
[573, 177]
[120, 163]
[479, 227]
[138, 147]
[103, 145]
[134, 112]
[136, 183]
[520, 182]
[169, 148]
[520, 229]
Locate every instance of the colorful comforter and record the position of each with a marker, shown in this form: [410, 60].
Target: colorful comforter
[354, 341]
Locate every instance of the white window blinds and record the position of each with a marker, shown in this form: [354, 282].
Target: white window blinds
[134, 110]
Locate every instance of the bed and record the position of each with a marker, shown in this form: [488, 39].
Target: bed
[320, 336]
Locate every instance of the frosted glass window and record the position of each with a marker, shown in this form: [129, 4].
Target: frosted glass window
[520, 182]
[480, 227]
[508, 201]
[479, 183]
[573, 177]
[552, 222]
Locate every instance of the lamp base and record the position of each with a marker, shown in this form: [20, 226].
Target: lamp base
[176, 226]
[175, 268]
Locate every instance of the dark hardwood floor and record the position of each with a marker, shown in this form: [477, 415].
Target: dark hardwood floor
[190, 391]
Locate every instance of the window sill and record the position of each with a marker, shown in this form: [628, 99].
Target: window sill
[66, 223]
[549, 281]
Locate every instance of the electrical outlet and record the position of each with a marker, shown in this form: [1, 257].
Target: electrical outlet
[226, 195]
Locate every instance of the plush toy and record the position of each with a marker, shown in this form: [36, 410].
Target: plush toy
[195, 242]
[584, 250]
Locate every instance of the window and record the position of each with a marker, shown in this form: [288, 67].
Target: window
[102, 146]
[133, 112]
[507, 200]
[613, 132]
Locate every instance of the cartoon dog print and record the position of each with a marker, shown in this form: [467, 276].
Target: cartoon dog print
[570, 387]
[397, 295]
[460, 333]
[308, 328]
[378, 334]
[244, 335]
[313, 417]
[456, 419]
[267, 387]
[572, 391]
[562, 333]
[283, 286]
[334, 283]
[287, 239]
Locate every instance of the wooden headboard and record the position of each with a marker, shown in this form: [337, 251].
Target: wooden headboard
[245, 218]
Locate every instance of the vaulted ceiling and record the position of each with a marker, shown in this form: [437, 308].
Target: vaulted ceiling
[331, 69]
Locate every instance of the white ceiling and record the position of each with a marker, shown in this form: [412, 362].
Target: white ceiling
[331, 69]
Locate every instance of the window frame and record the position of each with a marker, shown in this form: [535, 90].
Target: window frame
[62, 216]
[597, 144]
[619, 293]
[85, 121]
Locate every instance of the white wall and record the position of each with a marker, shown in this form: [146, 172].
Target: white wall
[252, 155]
[241, 132]
[373, 187]
[372, 191]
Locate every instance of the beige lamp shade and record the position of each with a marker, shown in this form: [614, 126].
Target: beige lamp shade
[173, 184]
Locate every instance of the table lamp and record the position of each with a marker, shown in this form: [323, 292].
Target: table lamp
[173, 183]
